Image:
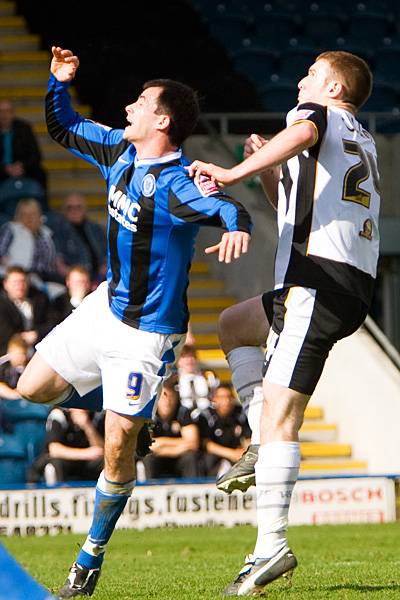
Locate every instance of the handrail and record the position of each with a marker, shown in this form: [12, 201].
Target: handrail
[224, 119]
[382, 340]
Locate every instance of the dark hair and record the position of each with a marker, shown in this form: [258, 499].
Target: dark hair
[180, 102]
[172, 384]
[188, 350]
[224, 386]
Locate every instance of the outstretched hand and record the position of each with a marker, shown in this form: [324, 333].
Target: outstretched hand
[64, 64]
[232, 245]
[217, 174]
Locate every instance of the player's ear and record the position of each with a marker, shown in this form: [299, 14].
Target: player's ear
[163, 122]
[335, 89]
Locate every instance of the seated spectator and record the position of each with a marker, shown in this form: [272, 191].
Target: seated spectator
[79, 240]
[20, 157]
[23, 309]
[224, 431]
[195, 386]
[174, 452]
[18, 354]
[78, 286]
[73, 451]
[27, 243]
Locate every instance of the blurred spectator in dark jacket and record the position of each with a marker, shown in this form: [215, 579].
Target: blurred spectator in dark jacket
[74, 448]
[20, 156]
[79, 240]
[18, 354]
[27, 243]
[195, 385]
[174, 452]
[78, 286]
[23, 309]
[224, 431]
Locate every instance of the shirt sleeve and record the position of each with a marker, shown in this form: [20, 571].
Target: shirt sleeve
[98, 144]
[205, 204]
[312, 113]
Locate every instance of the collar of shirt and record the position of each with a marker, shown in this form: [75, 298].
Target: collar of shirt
[159, 160]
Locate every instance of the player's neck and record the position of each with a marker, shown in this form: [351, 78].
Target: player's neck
[154, 149]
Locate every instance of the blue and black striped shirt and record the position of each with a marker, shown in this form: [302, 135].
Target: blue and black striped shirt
[154, 214]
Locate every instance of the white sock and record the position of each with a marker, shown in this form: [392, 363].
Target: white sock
[246, 365]
[277, 470]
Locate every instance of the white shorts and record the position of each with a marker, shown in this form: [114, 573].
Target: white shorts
[91, 347]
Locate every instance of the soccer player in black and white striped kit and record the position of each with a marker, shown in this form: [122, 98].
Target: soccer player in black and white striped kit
[321, 174]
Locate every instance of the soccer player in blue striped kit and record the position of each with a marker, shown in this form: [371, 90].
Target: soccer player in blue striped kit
[127, 334]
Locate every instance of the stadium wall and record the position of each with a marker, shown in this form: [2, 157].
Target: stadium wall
[360, 391]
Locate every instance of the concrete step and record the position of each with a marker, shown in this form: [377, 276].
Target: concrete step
[205, 287]
[324, 467]
[325, 449]
[204, 323]
[318, 432]
[7, 8]
[28, 92]
[18, 58]
[12, 25]
[205, 304]
[88, 183]
[200, 267]
[25, 41]
[31, 77]
[69, 164]
[206, 341]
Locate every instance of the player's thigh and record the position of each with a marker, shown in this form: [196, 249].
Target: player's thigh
[40, 381]
[306, 325]
[243, 324]
[72, 348]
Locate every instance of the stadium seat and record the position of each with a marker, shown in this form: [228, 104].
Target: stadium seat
[367, 29]
[384, 98]
[257, 64]
[322, 27]
[28, 421]
[12, 460]
[272, 29]
[387, 65]
[278, 97]
[294, 63]
[229, 30]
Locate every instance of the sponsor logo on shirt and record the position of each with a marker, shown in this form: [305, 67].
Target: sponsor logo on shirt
[206, 185]
[122, 209]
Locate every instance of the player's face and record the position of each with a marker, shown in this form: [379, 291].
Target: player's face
[141, 116]
[315, 85]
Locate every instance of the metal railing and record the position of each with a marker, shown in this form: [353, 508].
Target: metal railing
[225, 121]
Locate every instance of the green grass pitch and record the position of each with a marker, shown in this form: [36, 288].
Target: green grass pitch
[346, 561]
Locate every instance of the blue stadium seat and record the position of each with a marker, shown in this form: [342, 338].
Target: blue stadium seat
[229, 30]
[257, 64]
[294, 63]
[28, 421]
[367, 29]
[277, 28]
[12, 460]
[278, 96]
[384, 98]
[322, 26]
[387, 65]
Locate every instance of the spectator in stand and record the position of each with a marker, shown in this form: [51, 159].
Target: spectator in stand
[176, 438]
[195, 386]
[23, 309]
[74, 448]
[18, 354]
[80, 240]
[20, 157]
[78, 286]
[224, 431]
[28, 243]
